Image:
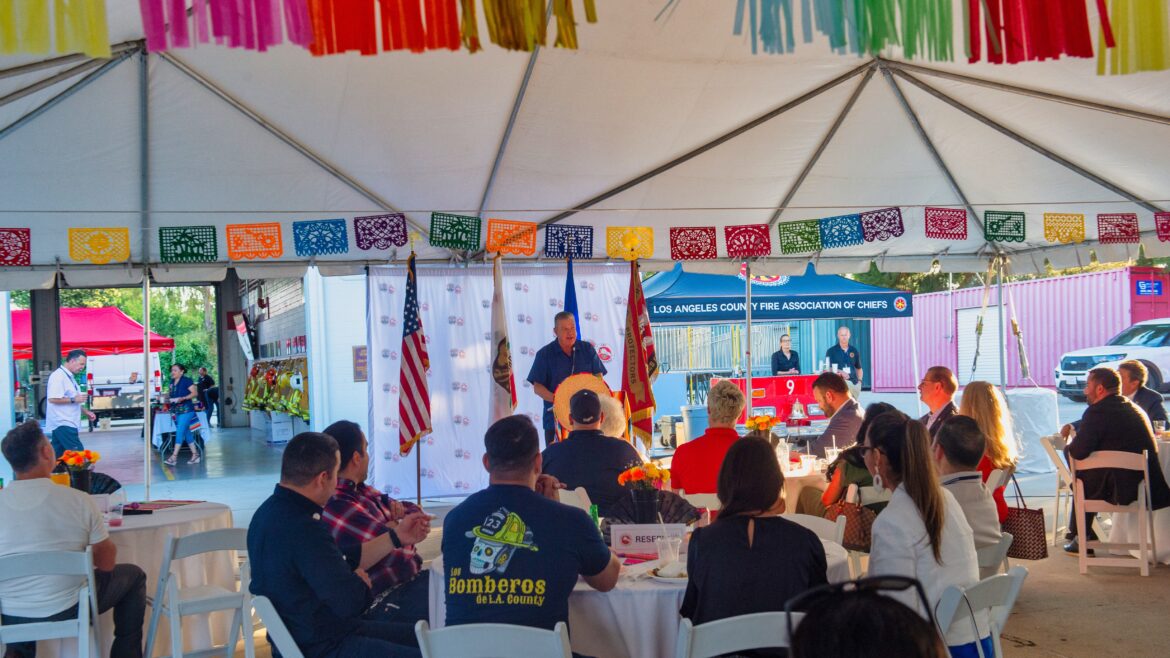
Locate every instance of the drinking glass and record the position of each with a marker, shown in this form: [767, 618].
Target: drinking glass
[668, 549]
[114, 516]
[1159, 426]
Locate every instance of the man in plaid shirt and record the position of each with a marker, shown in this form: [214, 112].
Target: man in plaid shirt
[386, 529]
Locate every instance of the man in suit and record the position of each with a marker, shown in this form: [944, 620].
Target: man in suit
[937, 392]
[1112, 422]
[1133, 386]
[834, 394]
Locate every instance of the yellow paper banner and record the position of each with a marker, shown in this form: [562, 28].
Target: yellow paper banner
[99, 245]
[629, 242]
[1061, 227]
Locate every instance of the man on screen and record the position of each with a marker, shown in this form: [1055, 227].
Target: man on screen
[555, 362]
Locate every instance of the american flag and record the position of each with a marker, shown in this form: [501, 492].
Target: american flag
[414, 401]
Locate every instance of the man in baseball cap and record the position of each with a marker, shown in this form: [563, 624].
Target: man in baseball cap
[588, 458]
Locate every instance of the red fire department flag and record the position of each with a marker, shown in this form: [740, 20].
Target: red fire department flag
[640, 366]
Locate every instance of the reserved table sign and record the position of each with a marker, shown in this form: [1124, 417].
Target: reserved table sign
[639, 538]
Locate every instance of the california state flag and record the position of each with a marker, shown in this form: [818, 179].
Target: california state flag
[640, 366]
[502, 400]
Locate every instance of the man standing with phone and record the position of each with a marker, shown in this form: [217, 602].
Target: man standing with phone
[64, 398]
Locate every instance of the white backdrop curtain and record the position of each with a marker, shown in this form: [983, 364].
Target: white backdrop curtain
[455, 305]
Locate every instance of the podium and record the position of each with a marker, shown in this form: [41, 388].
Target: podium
[776, 395]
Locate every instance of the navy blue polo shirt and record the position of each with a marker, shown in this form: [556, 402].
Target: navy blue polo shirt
[847, 358]
[512, 556]
[590, 459]
[296, 563]
[552, 366]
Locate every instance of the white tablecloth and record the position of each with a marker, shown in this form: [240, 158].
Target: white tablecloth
[164, 423]
[1125, 526]
[637, 619]
[794, 483]
[141, 540]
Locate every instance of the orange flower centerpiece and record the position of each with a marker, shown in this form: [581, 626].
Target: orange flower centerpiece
[644, 482]
[79, 463]
[761, 427]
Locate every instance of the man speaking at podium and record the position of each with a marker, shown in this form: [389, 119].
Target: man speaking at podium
[556, 361]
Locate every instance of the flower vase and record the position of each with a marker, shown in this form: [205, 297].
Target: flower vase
[645, 505]
[80, 479]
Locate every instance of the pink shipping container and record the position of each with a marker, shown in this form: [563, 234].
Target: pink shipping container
[1056, 315]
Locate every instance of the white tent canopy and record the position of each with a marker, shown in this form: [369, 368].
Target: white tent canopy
[660, 123]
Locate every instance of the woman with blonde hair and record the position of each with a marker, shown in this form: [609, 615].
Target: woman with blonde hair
[983, 402]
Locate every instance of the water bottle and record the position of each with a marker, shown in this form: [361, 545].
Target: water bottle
[593, 515]
[782, 454]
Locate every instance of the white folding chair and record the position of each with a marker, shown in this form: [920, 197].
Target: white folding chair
[706, 501]
[825, 529]
[997, 595]
[277, 632]
[1146, 547]
[993, 557]
[1054, 445]
[575, 498]
[54, 563]
[761, 630]
[493, 641]
[176, 602]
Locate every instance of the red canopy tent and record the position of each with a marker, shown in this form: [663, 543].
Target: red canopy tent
[98, 331]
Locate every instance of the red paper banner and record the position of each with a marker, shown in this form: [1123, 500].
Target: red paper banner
[692, 243]
[946, 223]
[748, 241]
[15, 247]
[1118, 228]
[1162, 223]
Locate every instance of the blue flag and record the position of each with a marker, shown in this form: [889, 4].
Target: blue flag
[571, 297]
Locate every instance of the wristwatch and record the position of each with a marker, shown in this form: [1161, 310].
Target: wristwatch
[394, 538]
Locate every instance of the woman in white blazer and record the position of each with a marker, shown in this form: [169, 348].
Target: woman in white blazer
[922, 533]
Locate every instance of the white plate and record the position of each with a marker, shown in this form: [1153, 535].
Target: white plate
[665, 579]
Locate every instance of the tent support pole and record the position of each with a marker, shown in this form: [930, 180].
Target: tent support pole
[523, 89]
[914, 358]
[1026, 91]
[816, 156]
[748, 339]
[1024, 141]
[276, 132]
[33, 88]
[115, 51]
[1002, 344]
[929, 143]
[699, 150]
[144, 200]
[64, 95]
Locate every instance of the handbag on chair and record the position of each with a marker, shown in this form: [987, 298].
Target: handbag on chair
[1027, 528]
[858, 524]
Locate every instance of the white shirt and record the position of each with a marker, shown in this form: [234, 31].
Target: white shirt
[62, 385]
[902, 548]
[37, 515]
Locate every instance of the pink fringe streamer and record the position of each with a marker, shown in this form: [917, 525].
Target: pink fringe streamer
[249, 24]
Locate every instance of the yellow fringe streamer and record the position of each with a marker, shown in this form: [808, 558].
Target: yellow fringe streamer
[566, 24]
[78, 26]
[469, 27]
[515, 24]
[590, 12]
[1141, 33]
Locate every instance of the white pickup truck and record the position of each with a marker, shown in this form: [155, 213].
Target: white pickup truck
[1148, 342]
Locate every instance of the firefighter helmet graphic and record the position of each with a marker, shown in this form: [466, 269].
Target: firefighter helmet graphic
[496, 541]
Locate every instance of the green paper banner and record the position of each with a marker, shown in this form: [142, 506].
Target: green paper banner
[188, 244]
[1003, 226]
[800, 237]
[455, 231]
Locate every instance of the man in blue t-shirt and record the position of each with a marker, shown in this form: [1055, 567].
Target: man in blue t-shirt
[555, 362]
[588, 458]
[844, 355]
[512, 553]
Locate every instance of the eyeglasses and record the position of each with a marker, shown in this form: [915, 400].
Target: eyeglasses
[805, 601]
[864, 449]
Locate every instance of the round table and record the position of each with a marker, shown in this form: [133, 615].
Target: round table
[1125, 526]
[141, 540]
[637, 618]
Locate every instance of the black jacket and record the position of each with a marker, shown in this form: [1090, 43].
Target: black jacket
[1115, 423]
[1150, 402]
[945, 413]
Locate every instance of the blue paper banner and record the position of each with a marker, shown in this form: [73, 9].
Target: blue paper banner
[841, 231]
[320, 237]
[568, 241]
